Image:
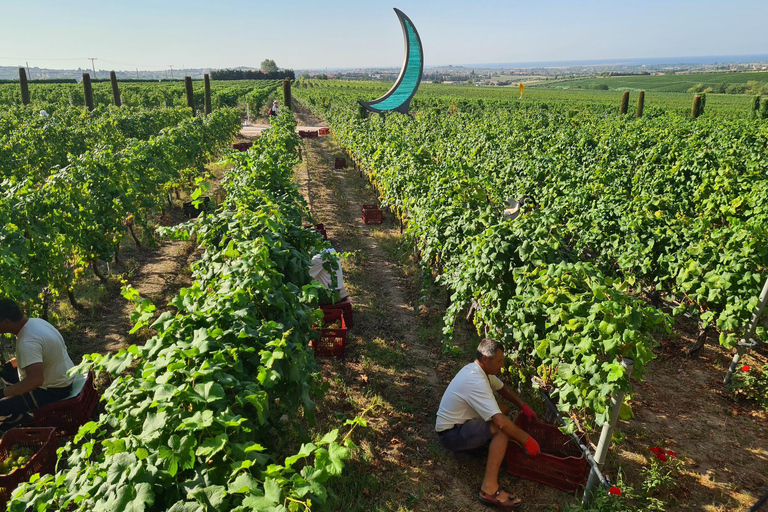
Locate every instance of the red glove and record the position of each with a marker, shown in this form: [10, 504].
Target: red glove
[532, 447]
[528, 413]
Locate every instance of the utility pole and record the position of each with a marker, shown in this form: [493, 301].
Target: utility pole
[171, 71]
[29, 73]
[93, 64]
[137, 73]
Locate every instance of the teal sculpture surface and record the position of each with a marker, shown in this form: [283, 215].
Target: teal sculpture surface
[398, 98]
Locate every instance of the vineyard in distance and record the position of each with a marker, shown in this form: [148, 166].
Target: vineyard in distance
[641, 235]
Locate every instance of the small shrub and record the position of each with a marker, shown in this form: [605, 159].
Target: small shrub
[751, 383]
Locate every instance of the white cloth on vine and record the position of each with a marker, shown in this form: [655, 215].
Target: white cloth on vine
[40, 342]
[469, 396]
[323, 276]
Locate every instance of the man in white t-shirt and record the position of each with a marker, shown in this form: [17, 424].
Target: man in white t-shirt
[38, 374]
[322, 270]
[469, 417]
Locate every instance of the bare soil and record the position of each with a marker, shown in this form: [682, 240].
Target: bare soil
[158, 273]
[396, 371]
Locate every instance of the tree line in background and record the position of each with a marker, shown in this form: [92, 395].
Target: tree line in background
[251, 74]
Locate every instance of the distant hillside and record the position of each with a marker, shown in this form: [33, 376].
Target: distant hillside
[720, 82]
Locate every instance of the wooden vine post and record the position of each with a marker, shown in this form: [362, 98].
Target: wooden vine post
[640, 103]
[287, 93]
[696, 109]
[88, 90]
[115, 90]
[624, 103]
[208, 108]
[25, 87]
[190, 93]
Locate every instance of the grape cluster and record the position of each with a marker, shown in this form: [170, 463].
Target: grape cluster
[18, 457]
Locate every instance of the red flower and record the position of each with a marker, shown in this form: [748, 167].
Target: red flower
[657, 451]
[745, 368]
[671, 453]
[661, 457]
[615, 491]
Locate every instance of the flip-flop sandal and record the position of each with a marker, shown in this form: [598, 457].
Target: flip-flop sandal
[493, 500]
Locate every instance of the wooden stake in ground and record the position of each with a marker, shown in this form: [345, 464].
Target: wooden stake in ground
[88, 90]
[115, 90]
[640, 103]
[190, 93]
[208, 108]
[696, 109]
[25, 86]
[287, 93]
[624, 103]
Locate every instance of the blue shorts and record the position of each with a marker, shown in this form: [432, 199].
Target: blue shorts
[466, 436]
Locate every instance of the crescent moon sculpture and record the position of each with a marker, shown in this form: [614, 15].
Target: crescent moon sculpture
[398, 98]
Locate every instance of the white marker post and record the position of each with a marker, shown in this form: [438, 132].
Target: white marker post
[748, 342]
[605, 437]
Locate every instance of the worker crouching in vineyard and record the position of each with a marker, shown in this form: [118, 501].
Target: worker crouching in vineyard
[469, 417]
[322, 270]
[38, 374]
[274, 109]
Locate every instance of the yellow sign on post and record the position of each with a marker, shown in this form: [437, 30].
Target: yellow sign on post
[521, 86]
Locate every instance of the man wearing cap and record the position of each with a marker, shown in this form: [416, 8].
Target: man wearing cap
[469, 417]
[38, 374]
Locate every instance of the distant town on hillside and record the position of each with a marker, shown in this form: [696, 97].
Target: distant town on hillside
[479, 74]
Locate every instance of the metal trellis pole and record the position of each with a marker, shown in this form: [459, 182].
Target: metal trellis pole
[748, 341]
[605, 437]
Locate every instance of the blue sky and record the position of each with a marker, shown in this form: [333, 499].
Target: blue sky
[303, 34]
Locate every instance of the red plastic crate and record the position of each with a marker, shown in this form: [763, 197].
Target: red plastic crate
[346, 308]
[68, 415]
[340, 163]
[307, 133]
[371, 214]
[561, 463]
[242, 146]
[323, 131]
[43, 440]
[333, 342]
[320, 228]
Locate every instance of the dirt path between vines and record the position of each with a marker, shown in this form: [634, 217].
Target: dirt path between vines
[157, 273]
[396, 363]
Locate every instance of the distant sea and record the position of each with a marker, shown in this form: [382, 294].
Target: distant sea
[650, 61]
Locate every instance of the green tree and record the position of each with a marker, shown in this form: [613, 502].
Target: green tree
[268, 65]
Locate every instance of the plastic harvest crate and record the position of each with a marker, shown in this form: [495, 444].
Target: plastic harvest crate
[346, 308]
[320, 228]
[561, 463]
[242, 146]
[43, 440]
[333, 342]
[371, 214]
[68, 415]
[322, 131]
